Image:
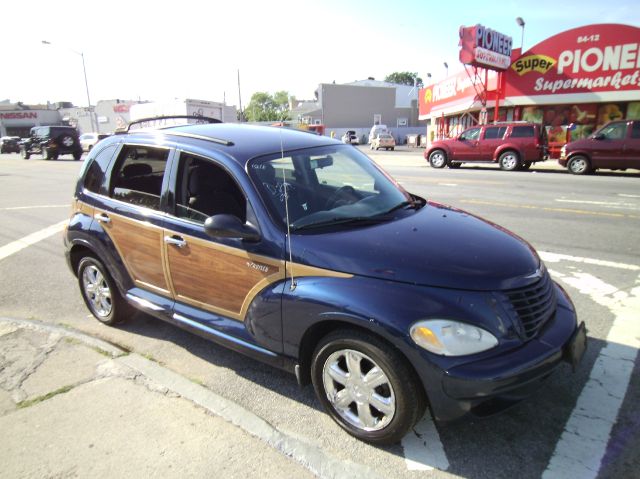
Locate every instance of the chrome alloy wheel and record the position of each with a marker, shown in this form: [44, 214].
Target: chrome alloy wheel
[97, 291]
[438, 160]
[509, 161]
[578, 165]
[359, 390]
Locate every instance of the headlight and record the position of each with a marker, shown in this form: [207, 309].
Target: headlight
[451, 338]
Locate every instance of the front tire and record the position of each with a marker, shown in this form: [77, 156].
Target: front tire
[366, 386]
[579, 165]
[438, 159]
[77, 155]
[100, 293]
[509, 161]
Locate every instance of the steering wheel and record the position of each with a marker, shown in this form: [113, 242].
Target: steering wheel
[341, 194]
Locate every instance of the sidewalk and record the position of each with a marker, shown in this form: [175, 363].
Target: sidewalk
[75, 406]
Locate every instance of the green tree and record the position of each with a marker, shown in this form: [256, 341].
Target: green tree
[266, 107]
[404, 78]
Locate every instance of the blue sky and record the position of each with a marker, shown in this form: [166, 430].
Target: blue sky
[193, 49]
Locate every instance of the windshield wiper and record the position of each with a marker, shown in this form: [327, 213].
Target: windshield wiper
[340, 221]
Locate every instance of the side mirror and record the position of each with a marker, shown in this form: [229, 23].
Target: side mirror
[229, 226]
[599, 136]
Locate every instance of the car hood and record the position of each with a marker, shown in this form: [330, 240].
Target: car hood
[579, 144]
[434, 246]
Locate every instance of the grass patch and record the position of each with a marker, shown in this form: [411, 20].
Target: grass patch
[39, 399]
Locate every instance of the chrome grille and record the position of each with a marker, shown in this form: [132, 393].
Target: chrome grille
[533, 305]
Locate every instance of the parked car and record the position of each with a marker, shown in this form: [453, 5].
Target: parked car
[10, 144]
[383, 140]
[514, 146]
[89, 140]
[51, 142]
[376, 130]
[298, 250]
[615, 146]
[350, 137]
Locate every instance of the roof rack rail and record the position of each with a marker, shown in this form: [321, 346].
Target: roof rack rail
[204, 119]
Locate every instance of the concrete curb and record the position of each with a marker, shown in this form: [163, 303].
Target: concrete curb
[308, 455]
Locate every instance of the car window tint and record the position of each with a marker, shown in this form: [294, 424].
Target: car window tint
[522, 132]
[97, 167]
[137, 176]
[635, 130]
[205, 189]
[616, 131]
[494, 132]
[471, 134]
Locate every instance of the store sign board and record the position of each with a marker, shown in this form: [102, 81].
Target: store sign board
[484, 47]
[19, 115]
[591, 59]
[457, 89]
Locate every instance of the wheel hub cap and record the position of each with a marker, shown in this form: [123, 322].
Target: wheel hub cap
[359, 390]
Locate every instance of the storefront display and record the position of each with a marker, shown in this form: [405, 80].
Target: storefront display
[573, 83]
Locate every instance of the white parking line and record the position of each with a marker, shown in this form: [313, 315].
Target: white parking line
[423, 450]
[11, 208]
[33, 238]
[548, 257]
[606, 204]
[583, 443]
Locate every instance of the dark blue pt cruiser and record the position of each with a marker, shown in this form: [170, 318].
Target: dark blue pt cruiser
[299, 251]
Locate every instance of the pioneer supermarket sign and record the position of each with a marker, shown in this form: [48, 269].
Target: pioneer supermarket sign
[596, 59]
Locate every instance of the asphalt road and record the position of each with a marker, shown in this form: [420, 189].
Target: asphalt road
[587, 230]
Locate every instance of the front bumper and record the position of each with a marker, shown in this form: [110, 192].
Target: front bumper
[485, 387]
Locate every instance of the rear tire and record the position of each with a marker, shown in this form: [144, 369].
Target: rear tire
[100, 293]
[509, 161]
[438, 159]
[579, 165]
[366, 386]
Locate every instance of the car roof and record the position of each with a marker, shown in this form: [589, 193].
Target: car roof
[240, 141]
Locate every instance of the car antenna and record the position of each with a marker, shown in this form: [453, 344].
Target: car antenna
[286, 209]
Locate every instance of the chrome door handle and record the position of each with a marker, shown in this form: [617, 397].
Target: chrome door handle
[102, 218]
[175, 241]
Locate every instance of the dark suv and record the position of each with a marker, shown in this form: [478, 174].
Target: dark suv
[51, 142]
[10, 144]
[298, 250]
[513, 146]
[615, 146]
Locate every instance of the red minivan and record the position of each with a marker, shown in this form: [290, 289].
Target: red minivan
[615, 146]
[513, 145]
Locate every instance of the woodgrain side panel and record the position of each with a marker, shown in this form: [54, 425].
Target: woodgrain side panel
[217, 277]
[140, 246]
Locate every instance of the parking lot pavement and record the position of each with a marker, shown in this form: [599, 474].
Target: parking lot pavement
[74, 406]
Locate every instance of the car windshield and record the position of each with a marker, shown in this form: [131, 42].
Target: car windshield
[328, 186]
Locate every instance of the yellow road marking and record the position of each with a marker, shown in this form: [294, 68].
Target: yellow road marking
[545, 208]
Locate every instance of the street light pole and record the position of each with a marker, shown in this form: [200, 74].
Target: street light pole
[94, 125]
[446, 66]
[520, 22]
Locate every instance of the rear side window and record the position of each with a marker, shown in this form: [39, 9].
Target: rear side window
[635, 130]
[137, 175]
[523, 132]
[94, 178]
[494, 132]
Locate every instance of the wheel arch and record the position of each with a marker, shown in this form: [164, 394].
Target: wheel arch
[315, 333]
[507, 147]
